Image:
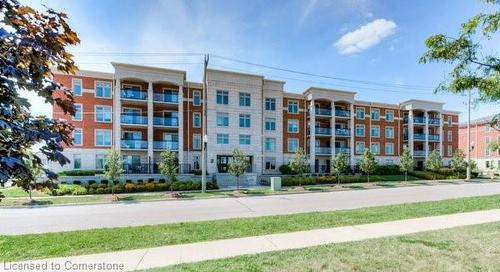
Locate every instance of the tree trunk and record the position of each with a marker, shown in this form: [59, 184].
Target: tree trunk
[29, 192]
[406, 175]
[368, 178]
[237, 183]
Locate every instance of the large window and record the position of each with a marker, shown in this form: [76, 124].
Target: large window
[196, 98]
[450, 151]
[375, 131]
[375, 148]
[222, 138]
[270, 124]
[76, 86]
[197, 120]
[389, 149]
[360, 113]
[222, 97]
[270, 144]
[375, 114]
[293, 145]
[100, 161]
[103, 114]
[77, 136]
[78, 112]
[450, 135]
[389, 132]
[196, 162]
[449, 121]
[270, 104]
[293, 107]
[77, 161]
[244, 99]
[244, 120]
[360, 147]
[103, 137]
[360, 130]
[389, 115]
[293, 126]
[222, 119]
[269, 163]
[197, 141]
[103, 89]
[245, 139]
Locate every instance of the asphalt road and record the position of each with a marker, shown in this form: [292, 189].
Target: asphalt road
[65, 218]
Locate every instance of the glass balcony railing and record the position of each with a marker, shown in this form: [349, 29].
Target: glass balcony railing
[345, 150]
[434, 121]
[134, 94]
[323, 131]
[323, 111]
[433, 137]
[166, 121]
[342, 132]
[170, 145]
[134, 119]
[419, 120]
[134, 144]
[342, 113]
[323, 150]
[419, 136]
[419, 153]
[167, 98]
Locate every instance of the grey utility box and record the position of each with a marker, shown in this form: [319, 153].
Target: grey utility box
[276, 183]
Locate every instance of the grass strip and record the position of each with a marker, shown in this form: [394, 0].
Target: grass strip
[34, 246]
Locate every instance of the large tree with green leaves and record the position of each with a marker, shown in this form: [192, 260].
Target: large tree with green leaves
[299, 163]
[113, 168]
[434, 162]
[31, 44]
[238, 165]
[406, 162]
[339, 165]
[367, 163]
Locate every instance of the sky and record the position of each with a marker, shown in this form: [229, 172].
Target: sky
[374, 42]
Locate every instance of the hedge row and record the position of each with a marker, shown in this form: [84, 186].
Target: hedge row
[75, 189]
[79, 173]
[296, 181]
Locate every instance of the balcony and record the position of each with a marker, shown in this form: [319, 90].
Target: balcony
[134, 144]
[419, 120]
[134, 94]
[342, 113]
[164, 145]
[166, 98]
[323, 131]
[433, 137]
[323, 111]
[323, 150]
[166, 121]
[345, 150]
[342, 132]
[419, 137]
[133, 119]
[419, 153]
[434, 121]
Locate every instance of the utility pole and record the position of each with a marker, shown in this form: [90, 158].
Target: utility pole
[468, 139]
[204, 129]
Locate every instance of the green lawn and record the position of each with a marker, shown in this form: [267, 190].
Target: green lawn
[23, 247]
[18, 192]
[471, 248]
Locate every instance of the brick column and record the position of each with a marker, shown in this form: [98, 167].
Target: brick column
[410, 131]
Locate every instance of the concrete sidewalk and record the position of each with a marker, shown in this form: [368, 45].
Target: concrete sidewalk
[184, 253]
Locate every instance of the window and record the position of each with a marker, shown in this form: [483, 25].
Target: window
[244, 120]
[222, 97]
[77, 136]
[103, 89]
[389, 149]
[196, 120]
[293, 126]
[360, 113]
[196, 98]
[100, 161]
[245, 139]
[487, 151]
[103, 114]
[375, 114]
[270, 124]
[269, 163]
[77, 161]
[449, 121]
[270, 104]
[360, 130]
[78, 112]
[293, 145]
[196, 162]
[450, 135]
[270, 144]
[375, 131]
[222, 138]
[222, 119]
[389, 132]
[197, 141]
[389, 115]
[375, 148]
[450, 151]
[360, 147]
[293, 107]
[244, 99]
[76, 86]
[103, 137]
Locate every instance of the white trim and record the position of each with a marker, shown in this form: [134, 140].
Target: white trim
[385, 115]
[195, 114]
[371, 135]
[385, 132]
[288, 144]
[288, 106]
[104, 106]
[385, 148]
[356, 111]
[95, 89]
[377, 144]
[356, 144]
[73, 135]
[73, 86]
[81, 109]
[192, 99]
[375, 110]
[95, 137]
[356, 130]
[298, 126]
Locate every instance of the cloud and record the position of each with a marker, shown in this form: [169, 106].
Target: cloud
[365, 37]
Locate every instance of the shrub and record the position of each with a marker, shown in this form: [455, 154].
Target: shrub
[196, 172]
[129, 187]
[139, 181]
[389, 169]
[151, 180]
[91, 191]
[427, 175]
[77, 182]
[67, 189]
[100, 191]
[79, 190]
[161, 187]
[91, 182]
[128, 181]
[104, 181]
[149, 187]
[76, 173]
[162, 180]
[286, 170]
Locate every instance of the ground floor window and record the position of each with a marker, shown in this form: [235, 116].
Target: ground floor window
[270, 163]
[77, 161]
[100, 161]
[224, 160]
[196, 162]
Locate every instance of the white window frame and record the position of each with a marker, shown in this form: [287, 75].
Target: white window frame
[362, 109]
[223, 93]
[272, 161]
[265, 146]
[356, 130]
[197, 147]
[222, 134]
[385, 132]
[217, 117]
[450, 121]
[450, 151]
[244, 96]
[246, 117]
[273, 102]
[392, 149]
[389, 111]
[288, 144]
[81, 111]
[269, 120]
[103, 130]
[378, 148]
[288, 125]
[450, 136]
[110, 91]
[74, 160]
[195, 114]
[248, 136]
[373, 110]
[103, 107]
[371, 128]
[294, 102]
[194, 94]
[103, 162]
[81, 136]
[73, 80]
[356, 147]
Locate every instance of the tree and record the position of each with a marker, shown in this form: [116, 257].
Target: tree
[458, 163]
[29, 184]
[367, 163]
[339, 165]
[406, 162]
[31, 43]
[434, 162]
[113, 168]
[299, 163]
[238, 165]
[168, 165]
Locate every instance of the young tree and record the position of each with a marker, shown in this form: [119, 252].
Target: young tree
[31, 44]
[367, 163]
[29, 184]
[339, 165]
[458, 163]
[406, 162]
[299, 163]
[238, 165]
[434, 162]
[168, 165]
[113, 168]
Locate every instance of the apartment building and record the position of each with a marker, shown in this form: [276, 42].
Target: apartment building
[141, 111]
[481, 134]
